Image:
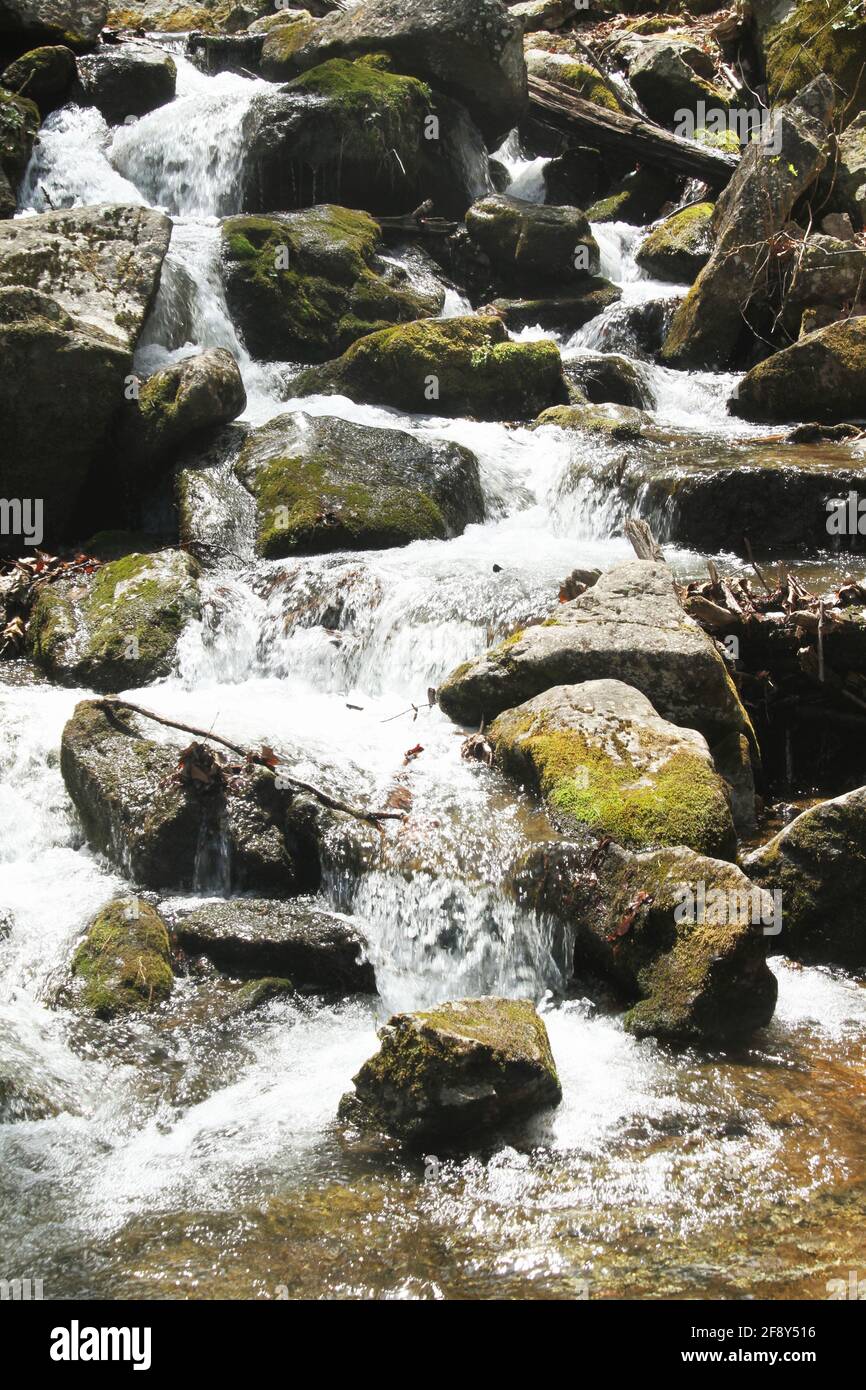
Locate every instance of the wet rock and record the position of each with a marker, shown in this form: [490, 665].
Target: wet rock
[176, 404]
[123, 965]
[458, 366]
[232, 52]
[606, 764]
[582, 79]
[629, 626]
[101, 264]
[560, 313]
[818, 864]
[680, 247]
[306, 285]
[531, 244]
[121, 627]
[609, 380]
[74, 22]
[315, 949]
[638, 198]
[242, 835]
[19, 122]
[757, 203]
[679, 935]
[60, 390]
[822, 377]
[574, 177]
[613, 422]
[323, 484]
[44, 76]
[22, 1099]
[255, 994]
[129, 79]
[353, 133]
[461, 1068]
[669, 74]
[471, 52]
[281, 45]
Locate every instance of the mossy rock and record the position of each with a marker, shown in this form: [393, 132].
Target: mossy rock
[455, 367]
[123, 629]
[817, 38]
[822, 377]
[583, 80]
[123, 965]
[457, 1069]
[43, 75]
[286, 35]
[638, 198]
[680, 937]
[612, 422]
[323, 484]
[529, 243]
[19, 122]
[605, 763]
[608, 379]
[255, 994]
[305, 286]
[678, 249]
[177, 17]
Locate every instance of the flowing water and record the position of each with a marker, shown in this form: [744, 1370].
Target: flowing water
[194, 1154]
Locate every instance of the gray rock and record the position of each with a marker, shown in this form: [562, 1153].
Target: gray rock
[460, 1068]
[609, 379]
[44, 75]
[531, 244]
[175, 405]
[298, 940]
[564, 313]
[822, 377]
[75, 22]
[127, 79]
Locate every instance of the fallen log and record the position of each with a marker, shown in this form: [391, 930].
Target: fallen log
[641, 139]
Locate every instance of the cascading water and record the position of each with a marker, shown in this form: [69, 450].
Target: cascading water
[186, 1158]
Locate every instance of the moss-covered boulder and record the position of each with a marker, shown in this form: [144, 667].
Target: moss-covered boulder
[43, 75]
[459, 366]
[818, 865]
[129, 79]
[455, 1070]
[612, 422]
[822, 377]
[120, 627]
[606, 764]
[323, 484]
[186, 16]
[629, 626]
[757, 203]
[638, 198]
[584, 81]
[679, 248]
[608, 379]
[811, 39]
[470, 52]
[123, 965]
[316, 949]
[286, 34]
[74, 22]
[304, 286]
[233, 833]
[360, 136]
[560, 313]
[177, 404]
[681, 937]
[19, 122]
[532, 244]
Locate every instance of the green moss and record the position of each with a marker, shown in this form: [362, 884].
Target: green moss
[123, 964]
[820, 36]
[586, 83]
[360, 85]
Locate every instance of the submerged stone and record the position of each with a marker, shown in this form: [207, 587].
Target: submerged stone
[454, 1070]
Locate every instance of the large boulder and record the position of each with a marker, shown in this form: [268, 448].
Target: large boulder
[77, 23]
[458, 366]
[355, 134]
[818, 865]
[682, 937]
[470, 51]
[118, 629]
[630, 626]
[305, 285]
[606, 764]
[771, 176]
[123, 965]
[679, 248]
[323, 484]
[101, 264]
[315, 949]
[460, 1068]
[183, 822]
[822, 377]
[19, 122]
[802, 40]
[176, 404]
[671, 74]
[530, 244]
[129, 79]
[43, 75]
[608, 379]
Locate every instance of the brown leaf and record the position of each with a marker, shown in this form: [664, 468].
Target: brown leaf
[412, 753]
[626, 922]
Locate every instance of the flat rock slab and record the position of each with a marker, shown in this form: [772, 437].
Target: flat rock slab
[313, 948]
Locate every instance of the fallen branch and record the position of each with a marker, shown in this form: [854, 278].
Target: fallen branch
[332, 802]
